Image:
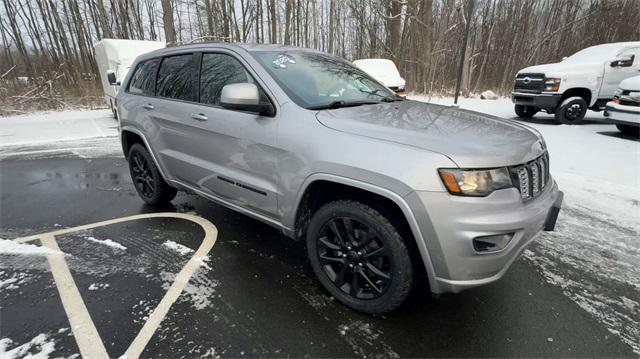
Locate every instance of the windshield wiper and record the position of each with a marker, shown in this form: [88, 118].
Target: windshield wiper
[341, 104]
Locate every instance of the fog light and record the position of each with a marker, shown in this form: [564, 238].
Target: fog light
[491, 243]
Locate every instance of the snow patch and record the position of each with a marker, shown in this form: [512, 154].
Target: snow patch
[39, 347]
[177, 247]
[198, 294]
[97, 286]
[15, 248]
[107, 242]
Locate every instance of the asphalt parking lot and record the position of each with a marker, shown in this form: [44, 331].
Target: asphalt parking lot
[255, 294]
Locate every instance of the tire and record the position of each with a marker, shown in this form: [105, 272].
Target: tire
[633, 131]
[526, 111]
[571, 111]
[381, 277]
[146, 178]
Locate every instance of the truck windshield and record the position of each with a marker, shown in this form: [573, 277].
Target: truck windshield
[319, 81]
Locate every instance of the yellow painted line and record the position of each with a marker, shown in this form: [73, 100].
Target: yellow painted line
[87, 337]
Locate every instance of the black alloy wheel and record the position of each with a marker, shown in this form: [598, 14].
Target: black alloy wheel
[360, 257]
[146, 178]
[354, 257]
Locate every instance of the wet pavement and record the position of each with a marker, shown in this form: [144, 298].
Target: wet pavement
[255, 295]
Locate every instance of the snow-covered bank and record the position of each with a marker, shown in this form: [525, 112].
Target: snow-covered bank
[594, 253]
[87, 134]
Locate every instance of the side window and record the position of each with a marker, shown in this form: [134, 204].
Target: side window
[143, 80]
[175, 78]
[218, 70]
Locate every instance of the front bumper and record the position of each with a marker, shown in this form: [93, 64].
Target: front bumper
[539, 100]
[450, 223]
[622, 114]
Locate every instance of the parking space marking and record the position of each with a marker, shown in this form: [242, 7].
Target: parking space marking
[84, 330]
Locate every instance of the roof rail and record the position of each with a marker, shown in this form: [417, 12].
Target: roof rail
[207, 39]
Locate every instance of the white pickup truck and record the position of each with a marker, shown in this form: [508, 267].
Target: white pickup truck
[585, 80]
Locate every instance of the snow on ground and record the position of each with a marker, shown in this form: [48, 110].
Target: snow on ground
[39, 347]
[107, 242]
[13, 247]
[594, 253]
[87, 134]
[177, 247]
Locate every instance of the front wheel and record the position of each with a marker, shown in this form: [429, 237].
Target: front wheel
[629, 130]
[571, 111]
[359, 256]
[146, 177]
[526, 111]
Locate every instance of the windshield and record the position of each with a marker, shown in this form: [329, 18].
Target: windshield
[600, 53]
[317, 81]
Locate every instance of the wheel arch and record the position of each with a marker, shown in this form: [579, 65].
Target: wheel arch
[319, 189]
[585, 93]
[129, 136]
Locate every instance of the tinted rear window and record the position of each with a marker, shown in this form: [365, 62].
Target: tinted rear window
[175, 78]
[143, 80]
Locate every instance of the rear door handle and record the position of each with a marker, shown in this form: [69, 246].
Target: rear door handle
[148, 106]
[199, 117]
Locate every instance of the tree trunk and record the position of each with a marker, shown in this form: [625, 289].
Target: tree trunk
[167, 19]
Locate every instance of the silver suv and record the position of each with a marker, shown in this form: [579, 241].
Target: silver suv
[382, 189]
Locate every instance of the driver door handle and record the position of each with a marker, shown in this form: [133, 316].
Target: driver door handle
[148, 106]
[199, 117]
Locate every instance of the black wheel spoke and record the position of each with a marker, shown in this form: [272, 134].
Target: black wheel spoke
[375, 253]
[339, 281]
[373, 285]
[324, 241]
[326, 258]
[355, 285]
[377, 271]
[335, 231]
[348, 228]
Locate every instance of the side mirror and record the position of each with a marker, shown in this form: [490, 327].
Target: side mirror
[244, 97]
[111, 78]
[623, 61]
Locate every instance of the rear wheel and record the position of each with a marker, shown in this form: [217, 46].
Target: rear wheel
[359, 256]
[147, 180]
[629, 130]
[526, 111]
[571, 111]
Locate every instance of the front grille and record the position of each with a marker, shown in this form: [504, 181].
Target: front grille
[529, 82]
[532, 177]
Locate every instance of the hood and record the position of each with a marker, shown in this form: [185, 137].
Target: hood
[631, 84]
[470, 139]
[562, 68]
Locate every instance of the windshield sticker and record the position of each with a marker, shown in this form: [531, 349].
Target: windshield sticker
[282, 60]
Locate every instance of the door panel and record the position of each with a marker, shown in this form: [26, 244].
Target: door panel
[614, 75]
[229, 154]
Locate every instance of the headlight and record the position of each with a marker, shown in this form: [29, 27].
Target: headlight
[551, 84]
[475, 182]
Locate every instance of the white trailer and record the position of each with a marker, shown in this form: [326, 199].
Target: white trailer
[116, 56]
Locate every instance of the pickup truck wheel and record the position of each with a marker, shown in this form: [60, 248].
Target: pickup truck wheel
[359, 256]
[526, 111]
[629, 130]
[571, 111]
[147, 179]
